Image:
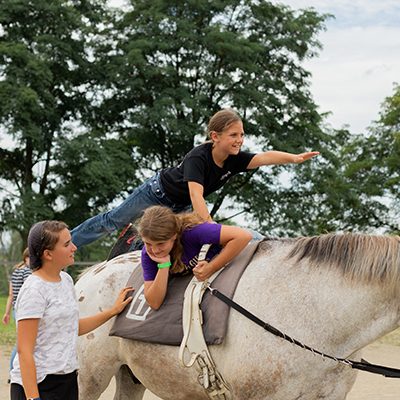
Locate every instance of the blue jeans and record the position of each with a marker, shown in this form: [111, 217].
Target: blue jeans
[257, 237]
[13, 354]
[150, 193]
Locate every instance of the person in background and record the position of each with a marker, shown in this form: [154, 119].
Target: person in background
[172, 243]
[19, 275]
[205, 169]
[48, 323]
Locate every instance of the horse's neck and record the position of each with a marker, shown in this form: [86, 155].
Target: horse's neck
[319, 306]
[358, 314]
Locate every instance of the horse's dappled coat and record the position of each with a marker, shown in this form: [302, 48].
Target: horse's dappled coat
[300, 286]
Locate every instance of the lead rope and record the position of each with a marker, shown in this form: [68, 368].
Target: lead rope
[193, 343]
[361, 365]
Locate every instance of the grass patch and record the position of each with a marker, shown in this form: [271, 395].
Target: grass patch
[7, 332]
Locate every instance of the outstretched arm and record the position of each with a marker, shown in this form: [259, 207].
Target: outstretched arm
[279, 157]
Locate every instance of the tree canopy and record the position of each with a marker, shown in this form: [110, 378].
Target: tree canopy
[48, 69]
[94, 100]
[373, 168]
[173, 64]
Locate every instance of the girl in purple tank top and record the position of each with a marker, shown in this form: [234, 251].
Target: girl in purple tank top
[172, 243]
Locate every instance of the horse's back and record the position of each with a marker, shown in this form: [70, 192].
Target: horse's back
[99, 284]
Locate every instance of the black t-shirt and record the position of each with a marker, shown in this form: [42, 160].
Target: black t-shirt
[199, 166]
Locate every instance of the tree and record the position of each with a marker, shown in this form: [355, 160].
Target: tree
[356, 189]
[96, 101]
[173, 64]
[10, 254]
[374, 167]
[48, 77]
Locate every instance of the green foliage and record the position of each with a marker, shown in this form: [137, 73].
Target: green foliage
[4, 276]
[7, 332]
[10, 253]
[373, 168]
[91, 170]
[48, 69]
[94, 100]
[355, 186]
[179, 62]
[176, 63]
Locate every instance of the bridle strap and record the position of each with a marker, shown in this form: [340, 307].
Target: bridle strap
[361, 365]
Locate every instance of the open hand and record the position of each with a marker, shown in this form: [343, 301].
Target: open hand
[299, 158]
[122, 300]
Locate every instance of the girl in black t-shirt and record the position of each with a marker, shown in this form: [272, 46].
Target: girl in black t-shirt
[203, 170]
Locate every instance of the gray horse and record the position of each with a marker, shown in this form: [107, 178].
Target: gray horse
[336, 293]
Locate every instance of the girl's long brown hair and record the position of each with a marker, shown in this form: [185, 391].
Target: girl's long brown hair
[160, 223]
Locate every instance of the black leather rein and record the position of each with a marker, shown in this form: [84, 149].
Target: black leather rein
[361, 365]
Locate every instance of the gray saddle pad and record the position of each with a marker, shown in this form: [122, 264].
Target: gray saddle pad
[164, 326]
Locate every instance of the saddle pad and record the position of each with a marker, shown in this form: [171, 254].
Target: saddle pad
[164, 326]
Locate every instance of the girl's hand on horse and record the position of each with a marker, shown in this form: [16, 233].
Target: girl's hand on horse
[203, 270]
[122, 300]
[299, 158]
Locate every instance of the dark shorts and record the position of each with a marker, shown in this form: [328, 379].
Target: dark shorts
[53, 387]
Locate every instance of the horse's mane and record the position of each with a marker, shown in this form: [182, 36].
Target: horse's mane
[360, 257]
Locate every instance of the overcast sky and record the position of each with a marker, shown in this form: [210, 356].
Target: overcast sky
[360, 59]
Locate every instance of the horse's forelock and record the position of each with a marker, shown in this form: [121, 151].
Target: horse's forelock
[365, 258]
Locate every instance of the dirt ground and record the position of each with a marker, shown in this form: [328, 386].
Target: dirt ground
[367, 387]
